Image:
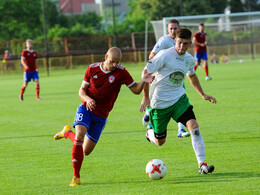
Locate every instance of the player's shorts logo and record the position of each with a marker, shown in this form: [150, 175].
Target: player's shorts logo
[111, 78]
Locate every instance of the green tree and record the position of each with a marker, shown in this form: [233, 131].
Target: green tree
[157, 9]
[18, 20]
[244, 5]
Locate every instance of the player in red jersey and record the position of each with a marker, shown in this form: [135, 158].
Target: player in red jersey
[199, 39]
[99, 91]
[28, 60]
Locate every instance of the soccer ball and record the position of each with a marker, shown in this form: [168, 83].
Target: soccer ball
[156, 169]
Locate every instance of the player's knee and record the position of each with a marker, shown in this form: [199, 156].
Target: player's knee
[192, 124]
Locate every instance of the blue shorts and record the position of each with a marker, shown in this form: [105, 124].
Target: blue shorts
[94, 124]
[28, 76]
[201, 56]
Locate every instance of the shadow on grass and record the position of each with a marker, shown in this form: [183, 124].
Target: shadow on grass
[28, 136]
[214, 177]
[51, 136]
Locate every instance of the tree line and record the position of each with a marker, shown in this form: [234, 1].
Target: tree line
[22, 19]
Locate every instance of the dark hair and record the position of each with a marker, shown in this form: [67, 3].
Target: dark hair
[183, 33]
[201, 24]
[173, 21]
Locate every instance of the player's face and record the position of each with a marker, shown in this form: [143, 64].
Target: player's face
[172, 29]
[201, 28]
[111, 62]
[29, 44]
[182, 45]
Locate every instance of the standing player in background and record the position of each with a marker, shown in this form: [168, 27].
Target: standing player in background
[166, 42]
[200, 42]
[28, 60]
[168, 97]
[99, 91]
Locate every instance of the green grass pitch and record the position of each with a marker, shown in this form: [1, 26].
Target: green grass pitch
[31, 162]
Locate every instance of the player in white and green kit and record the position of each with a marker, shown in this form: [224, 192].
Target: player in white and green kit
[166, 42]
[168, 98]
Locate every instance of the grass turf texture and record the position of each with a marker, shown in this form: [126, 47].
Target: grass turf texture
[33, 163]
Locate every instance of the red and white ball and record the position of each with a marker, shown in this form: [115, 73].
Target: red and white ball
[156, 169]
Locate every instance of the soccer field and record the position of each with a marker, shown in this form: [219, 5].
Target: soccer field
[32, 162]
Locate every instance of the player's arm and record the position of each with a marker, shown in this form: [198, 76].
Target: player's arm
[152, 54]
[196, 85]
[90, 103]
[194, 41]
[23, 62]
[137, 88]
[146, 100]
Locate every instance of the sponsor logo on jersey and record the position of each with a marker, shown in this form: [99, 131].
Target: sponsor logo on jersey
[111, 79]
[95, 77]
[181, 59]
[176, 77]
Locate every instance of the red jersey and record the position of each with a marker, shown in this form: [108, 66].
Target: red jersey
[201, 38]
[104, 86]
[30, 57]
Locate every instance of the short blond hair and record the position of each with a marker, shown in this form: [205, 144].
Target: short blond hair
[29, 40]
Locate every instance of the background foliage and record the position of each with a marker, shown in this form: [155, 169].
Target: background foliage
[20, 19]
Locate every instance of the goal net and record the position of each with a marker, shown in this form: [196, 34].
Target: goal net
[231, 33]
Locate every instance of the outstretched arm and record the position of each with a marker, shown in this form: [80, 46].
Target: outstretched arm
[196, 85]
[138, 87]
[90, 103]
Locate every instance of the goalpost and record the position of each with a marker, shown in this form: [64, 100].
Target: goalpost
[232, 33]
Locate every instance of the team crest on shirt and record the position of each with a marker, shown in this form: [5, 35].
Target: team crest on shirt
[111, 79]
[187, 62]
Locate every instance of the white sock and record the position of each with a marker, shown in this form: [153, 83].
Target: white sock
[151, 135]
[180, 126]
[146, 112]
[198, 145]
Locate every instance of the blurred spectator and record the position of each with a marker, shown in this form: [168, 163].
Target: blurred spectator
[6, 59]
[224, 58]
[214, 58]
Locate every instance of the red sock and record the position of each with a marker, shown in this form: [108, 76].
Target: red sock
[69, 134]
[195, 67]
[22, 91]
[206, 70]
[77, 157]
[37, 88]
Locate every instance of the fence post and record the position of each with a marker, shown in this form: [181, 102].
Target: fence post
[134, 47]
[71, 62]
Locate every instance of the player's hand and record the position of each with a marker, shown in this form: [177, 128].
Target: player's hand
[148, 78]
[209, 98]
[145, 103]
[90, 104]
[26, 67]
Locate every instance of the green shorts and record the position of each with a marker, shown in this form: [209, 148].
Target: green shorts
[161, 117]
